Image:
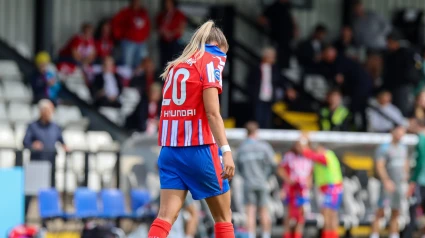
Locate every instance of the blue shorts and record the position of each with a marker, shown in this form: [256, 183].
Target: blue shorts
[332, 196]
[194, 168]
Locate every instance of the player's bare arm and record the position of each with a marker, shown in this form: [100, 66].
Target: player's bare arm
[212, 109]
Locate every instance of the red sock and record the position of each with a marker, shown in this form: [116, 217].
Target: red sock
[334, 234]
[298, 235]
[287, 235]
[159, 229]
[224, 230]
[330, 234]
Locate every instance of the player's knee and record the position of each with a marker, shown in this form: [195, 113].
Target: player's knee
[222, 216]
[167, 216]
[380, 213]
[395, 213]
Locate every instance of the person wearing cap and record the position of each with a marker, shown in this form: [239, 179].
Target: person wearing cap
[44, 82]
[402, 71]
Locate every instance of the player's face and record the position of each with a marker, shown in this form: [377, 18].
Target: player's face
[398, 133]
[298, 147]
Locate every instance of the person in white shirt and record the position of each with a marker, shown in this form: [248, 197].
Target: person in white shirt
[264, 84]
[383, 116]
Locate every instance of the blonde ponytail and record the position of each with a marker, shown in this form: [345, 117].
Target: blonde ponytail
[196, 45]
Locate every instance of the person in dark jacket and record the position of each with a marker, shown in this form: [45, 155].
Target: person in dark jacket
[263, 82]
[402, 71]
[107, 86]
[345, 43]
[144, 76]
[145, 116]
[283, 29]
[351, 77]
[309, 51]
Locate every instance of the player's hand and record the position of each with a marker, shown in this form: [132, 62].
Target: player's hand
[229, 166]
[389, 186]
[411, 190]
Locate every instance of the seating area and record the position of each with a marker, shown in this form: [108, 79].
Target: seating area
[129, 98]
[16, 111]
[89, 204]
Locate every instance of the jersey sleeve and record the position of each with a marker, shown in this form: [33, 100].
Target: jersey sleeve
[211, 71]
[380, 153]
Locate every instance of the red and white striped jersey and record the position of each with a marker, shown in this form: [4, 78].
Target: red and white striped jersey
[183, 120]
[298, 167]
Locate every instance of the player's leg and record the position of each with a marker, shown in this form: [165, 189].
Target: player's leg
[222, 214]
[331, 204]
[394, 229]
[290, 205]
[251, 211]
[204, 181]
[171, 202]
[375, 224]
[299, 227]
[287, 229]
[173, 192]
[265, 220]
[250, 200]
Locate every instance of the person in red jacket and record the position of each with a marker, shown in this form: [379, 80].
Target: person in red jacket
[132, 26]
[80, 49]
[104, 42]
[171, 24]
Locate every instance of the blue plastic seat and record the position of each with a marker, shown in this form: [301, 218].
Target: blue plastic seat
[49, 204]
[86, 203]
[139, 198]
[113, 204]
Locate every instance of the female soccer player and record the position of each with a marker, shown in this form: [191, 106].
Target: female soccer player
[190, 128]
[296, 170]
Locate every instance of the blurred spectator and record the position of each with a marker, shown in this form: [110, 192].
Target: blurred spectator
[370, 29]
[44, 82]
[351, 77]
[104, 42]
[334, 117]
[392, 167]
[283, 28]
[144, 76]
[42, 135]
[345, 43]
[171, 24]
[402, 72]
[421, 84]
[107, 86]
[255, 161]
[308, 51]
[374, 66]
[417, 117]
[263, 81]
[80, 50]
[384, 116]
[132, 27]
[146, 115]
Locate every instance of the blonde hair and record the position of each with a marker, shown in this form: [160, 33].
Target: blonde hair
[205, 34]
